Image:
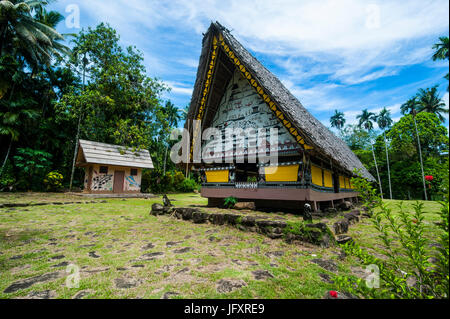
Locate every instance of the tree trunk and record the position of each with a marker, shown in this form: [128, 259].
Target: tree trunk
[387, 161]
[6, 157]
[420, 157]
[378, 174]
[165, 161]
[75, 153]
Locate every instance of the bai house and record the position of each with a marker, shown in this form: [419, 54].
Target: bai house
[111, 168]
[233, 90]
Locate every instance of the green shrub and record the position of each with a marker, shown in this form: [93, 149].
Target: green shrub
[178, 179]
[367, 193]
[6, 182]
[405, 268]
[188, 185]
[296, 228]
[53, 181]
[7, 179]
[229, 202]
[32, 165]
[154, 182]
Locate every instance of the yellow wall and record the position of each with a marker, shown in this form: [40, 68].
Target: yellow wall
[341, 182]
[328, 179]
[344, 182]
[316, 173]
[217, 176]
[288, 173]
[347, 182]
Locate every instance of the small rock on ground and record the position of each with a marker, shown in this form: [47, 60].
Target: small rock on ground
[46, 294]
[261, 274]
[326, 278]
[125, 283]
[148, 246]
[326, 264]
[82, 293]
[28, 282]
[169, 294]
[228, 285]
[61, 264]
[173, 243]
[182, 250]
[93, 254]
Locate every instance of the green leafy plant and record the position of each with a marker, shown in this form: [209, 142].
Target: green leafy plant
[252, 179]
[188, 185]
[229, 202]
[367, 193]
[53, 181]
[32, 164]
[405, 268]
[178, 179]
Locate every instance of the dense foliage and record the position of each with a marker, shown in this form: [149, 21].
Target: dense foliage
[50, 96]
[396, 148]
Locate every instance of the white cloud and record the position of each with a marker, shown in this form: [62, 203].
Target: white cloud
[338, 37]
[179, 88]
[322, 50]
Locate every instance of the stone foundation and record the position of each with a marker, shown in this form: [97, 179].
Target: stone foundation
[318, 234]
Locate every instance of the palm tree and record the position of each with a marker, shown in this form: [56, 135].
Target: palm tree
[384, 121]
[50, 18]
[366, 120]
[172, 116]
[411, 106]
[442, 49]
[337, 120]
[429, 101]
[23, 34]
[441, 52]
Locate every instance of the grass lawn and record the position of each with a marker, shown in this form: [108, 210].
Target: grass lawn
[123, 252]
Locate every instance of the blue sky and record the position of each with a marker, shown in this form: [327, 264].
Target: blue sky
[346, 55]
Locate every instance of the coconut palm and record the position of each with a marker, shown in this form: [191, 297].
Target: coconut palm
[337, 120]
[442, 49]
[412, 106]
[366, 120]
[50, 18]
[384, 121]
[441, 52]
[429, 101]
[23, 34]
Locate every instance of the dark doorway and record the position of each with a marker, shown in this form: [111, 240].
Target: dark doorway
[118, 181]
[336, 183]
[246, 172]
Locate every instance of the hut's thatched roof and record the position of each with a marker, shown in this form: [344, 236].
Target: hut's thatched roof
[313, 131]
[90, 152]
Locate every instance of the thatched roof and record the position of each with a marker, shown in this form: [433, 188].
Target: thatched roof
[90, 152]
[325, 143]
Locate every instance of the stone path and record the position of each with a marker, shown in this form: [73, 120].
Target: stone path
[28, 282]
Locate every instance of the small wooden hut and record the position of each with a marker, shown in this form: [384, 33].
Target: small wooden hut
[111, 168]
[234, 90]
